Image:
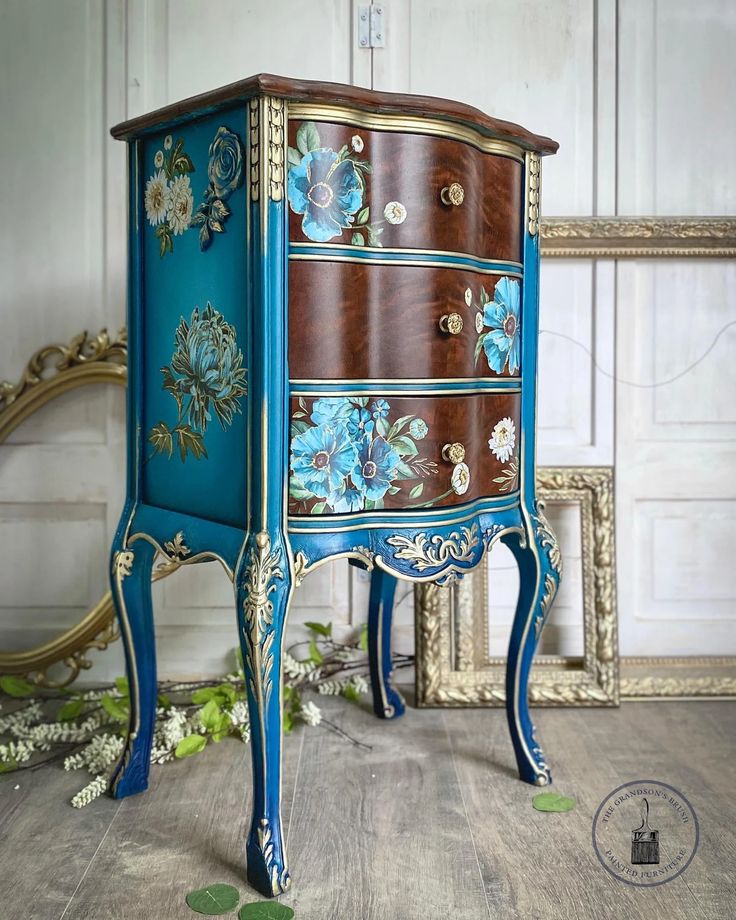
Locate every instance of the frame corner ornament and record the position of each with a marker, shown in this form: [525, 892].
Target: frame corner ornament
[448, 676]
[267, 121]
[53, 370]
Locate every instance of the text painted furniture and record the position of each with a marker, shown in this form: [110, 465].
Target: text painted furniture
[333, 354]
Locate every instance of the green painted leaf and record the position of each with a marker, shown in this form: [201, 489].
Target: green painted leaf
[183, 164]
[307, 137]
[191, 744]
[393, 490]
[160, 437]
[320, 629]
[293, 157]
[214, 899]
[417, 490]
[479, 346]
[484, 298]
[16, 686]
[70, 710]
[189, 441]
[265, 910]
[553, 801]
[398, 425]
[318, 508]
[357, 239]
[373, 235]
[382, 427]
[404, 445]
[298, 492]
[364, 215]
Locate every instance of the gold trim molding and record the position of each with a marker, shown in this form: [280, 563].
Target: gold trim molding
[638, 237]
[453, 666]
[53, 370]
[696, 677]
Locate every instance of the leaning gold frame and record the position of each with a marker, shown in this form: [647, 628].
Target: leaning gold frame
[453, 668]
[53, 370]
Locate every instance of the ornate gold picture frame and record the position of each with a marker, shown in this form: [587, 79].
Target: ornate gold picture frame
[54, 370]
[453, 667]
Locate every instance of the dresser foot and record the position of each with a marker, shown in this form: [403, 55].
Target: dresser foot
[539, 569]
[131, 592]
[387, 701]
[263, 592]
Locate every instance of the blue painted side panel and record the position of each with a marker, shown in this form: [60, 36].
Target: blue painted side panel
[173, 285]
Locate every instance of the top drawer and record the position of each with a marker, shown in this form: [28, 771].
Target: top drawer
[348, 186]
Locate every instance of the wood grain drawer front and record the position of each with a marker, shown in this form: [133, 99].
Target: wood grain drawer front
[354, 321]
[350, 186]
[351, 454]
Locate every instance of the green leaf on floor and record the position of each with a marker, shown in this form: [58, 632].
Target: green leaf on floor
[320, 629]
[214, 899]
[553, 801]
[70, 710]
[16, 686]
[265, 910]
[192, 744]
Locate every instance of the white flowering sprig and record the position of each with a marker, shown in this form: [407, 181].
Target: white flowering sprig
[86, 729]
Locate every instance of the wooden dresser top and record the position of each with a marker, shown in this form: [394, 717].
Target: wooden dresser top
[356, 97]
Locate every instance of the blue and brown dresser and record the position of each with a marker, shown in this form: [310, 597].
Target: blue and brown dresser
[333, 354]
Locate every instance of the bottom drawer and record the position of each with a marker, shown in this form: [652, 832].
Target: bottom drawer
[361, 453]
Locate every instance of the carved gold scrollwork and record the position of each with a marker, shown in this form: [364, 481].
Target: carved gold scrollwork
[263, 568]
[275, 148]
[426, 552]
[254, 148]
[280, 881]
[533, 167]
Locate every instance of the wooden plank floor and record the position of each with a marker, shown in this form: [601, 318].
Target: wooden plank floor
[431, 823]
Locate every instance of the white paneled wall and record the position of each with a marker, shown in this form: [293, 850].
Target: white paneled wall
[634, 90]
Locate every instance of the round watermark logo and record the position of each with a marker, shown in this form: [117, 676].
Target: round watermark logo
[645, 833]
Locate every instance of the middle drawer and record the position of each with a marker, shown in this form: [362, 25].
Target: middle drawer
[354, 321]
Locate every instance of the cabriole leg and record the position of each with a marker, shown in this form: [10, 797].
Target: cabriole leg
[538, 558]
[387, 702]
[263, 592]
[131, 592]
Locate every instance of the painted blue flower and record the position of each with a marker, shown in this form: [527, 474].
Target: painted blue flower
[321, 458]
[210, 366]
[330, 409]
[344, 502]
[360, 424]
[380, 409]
[418, 428]
[502, 344]
[327, 191]
[376, 468]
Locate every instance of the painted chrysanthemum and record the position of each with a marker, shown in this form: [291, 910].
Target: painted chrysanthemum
[327, 191]
[377, 464]
[460, 478]
[395, 212]
[503, 439]
[321, 458]
[502, 344]
[210, 365]
[180, 204]
[156, 198]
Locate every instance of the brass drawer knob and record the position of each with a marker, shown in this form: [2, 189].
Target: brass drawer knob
[453, 194]
[453, 453]
[452, 323]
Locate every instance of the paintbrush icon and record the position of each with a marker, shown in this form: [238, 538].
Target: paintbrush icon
[644, 841]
